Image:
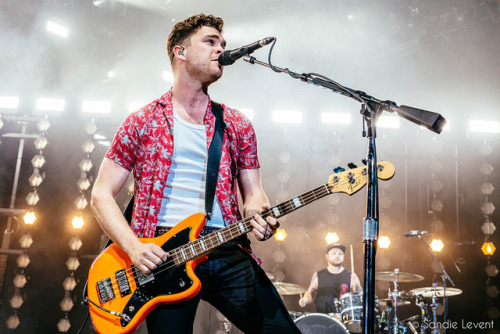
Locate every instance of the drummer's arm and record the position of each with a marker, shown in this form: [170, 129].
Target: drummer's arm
[355, 284]
[310, 294]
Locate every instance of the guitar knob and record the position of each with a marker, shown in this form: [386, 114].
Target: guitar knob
[182, 283]
[351, 165]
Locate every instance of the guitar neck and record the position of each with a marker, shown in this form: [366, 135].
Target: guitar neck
[209, 242]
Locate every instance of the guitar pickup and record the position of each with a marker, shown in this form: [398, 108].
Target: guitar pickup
[105, 290]
[123, 285]
[142, 279]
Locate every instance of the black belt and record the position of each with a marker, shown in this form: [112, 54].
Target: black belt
[204, 231]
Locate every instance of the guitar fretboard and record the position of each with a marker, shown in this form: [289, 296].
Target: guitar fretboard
[207, 243]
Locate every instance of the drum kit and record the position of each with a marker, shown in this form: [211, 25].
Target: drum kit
[350, 308]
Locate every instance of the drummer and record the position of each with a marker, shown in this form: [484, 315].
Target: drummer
[330, 283]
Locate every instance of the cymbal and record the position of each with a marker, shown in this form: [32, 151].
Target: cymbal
[402, 276]
[437, 291]
[387, 301]
[289, 288]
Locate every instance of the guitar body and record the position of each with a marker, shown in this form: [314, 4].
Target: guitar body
[121, 296]
[116, 285]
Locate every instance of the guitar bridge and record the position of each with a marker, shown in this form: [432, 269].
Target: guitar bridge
[105, 290]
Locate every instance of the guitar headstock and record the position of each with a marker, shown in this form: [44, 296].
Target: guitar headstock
[352, 180]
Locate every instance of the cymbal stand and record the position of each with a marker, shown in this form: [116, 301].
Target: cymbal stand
[434, 306]
[420, 302]
[394, 295]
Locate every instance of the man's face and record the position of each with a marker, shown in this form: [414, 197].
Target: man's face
[335, 257]
[202, 54]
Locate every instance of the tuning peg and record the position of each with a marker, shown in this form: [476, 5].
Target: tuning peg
[351, 165]
[338, 169]
[364, 161]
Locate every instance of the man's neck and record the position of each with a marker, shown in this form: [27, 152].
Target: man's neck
[190, 100]
[334, 269]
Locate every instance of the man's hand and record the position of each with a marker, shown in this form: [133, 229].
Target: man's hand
[264, 229]
[147, 256]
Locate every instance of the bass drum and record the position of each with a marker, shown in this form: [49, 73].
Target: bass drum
[319, 323]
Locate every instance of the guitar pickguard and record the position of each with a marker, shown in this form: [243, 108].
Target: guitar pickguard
[168, 279]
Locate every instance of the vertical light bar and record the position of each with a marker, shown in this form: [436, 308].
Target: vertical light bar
[484, 126]
[57, 29]
[9, 102]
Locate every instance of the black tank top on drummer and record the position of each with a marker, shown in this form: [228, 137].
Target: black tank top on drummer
[331, 287]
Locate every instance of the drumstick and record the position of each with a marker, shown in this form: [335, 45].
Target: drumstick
[352, 260]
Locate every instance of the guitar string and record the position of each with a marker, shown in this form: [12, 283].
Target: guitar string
[308, 197]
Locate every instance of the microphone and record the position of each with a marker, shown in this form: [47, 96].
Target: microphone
[230, 56]
[414, 233]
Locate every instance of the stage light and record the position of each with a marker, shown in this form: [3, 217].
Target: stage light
[50, 104]
[88, 146]
[77, 222]
[13, 321]
[23, 261]
[9, 102]
[335, 118]
[35, 179]
[487, 188]
[280, 234]
[437, 245]
[384, 242]
[81, 202]
[492, 291]
[43, 125]
[484, 126]
[488, 228]
[63, 325]
[331, 237]
[388, 122]
[29, 218]
[66, 304]
[72, 263]
[248, 113]
[491, 270]
[41, 142]
[20, 281]
[168, 76]
[488, 248]
[75, 243]
[111, 74]
[98, 107]
[38, 161]
[487, 208]
[287, 116]
[86, 165]
[26, 241]
[57, 29]
[16, 301]
[32, 198]
[69, 283]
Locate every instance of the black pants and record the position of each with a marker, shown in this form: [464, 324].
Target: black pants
[238, 287]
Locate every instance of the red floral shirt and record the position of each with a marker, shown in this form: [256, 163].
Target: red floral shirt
[144, 143]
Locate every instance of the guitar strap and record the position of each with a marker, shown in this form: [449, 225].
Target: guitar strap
[213, 163]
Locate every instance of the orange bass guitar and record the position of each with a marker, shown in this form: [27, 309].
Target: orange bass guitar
[120, 295]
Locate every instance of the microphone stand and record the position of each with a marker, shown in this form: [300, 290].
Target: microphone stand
[371, 109]
[444, 278]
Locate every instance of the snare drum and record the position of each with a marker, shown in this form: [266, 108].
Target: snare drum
[319, 323]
